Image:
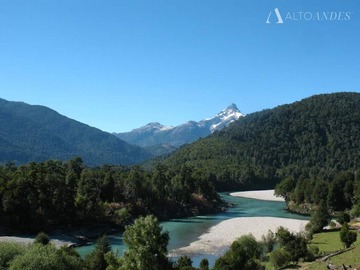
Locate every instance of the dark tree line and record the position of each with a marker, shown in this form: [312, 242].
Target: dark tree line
[339, 193]
[52, 194]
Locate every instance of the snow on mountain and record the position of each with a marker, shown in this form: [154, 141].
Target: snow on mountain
[154, 134]
[224, 118]
[152, 127]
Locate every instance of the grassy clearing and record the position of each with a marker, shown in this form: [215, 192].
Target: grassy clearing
[350, 257]
[329, 242]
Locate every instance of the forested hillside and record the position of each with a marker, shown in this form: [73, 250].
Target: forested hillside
[37, 133]
[317, 136]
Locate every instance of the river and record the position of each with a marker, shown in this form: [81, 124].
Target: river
[184, 231]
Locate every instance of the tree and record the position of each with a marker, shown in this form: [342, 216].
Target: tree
[183, 262]
[296, 245]
[319, 218]
[279, 258]
[347, 237]
[204, 264]
[88, 193]
[285, 187]
[283, 236]
[147, 245]
[320, 192]
[269, 241]
[340, 191]
[159, 179]
[96, 260]
[113, 261]
[343, 217]
[42, 238]
[243, 254]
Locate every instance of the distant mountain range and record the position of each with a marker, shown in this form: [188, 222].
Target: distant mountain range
[37, 133]
[160, 138]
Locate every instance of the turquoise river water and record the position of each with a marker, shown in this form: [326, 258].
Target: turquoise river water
[184, 231]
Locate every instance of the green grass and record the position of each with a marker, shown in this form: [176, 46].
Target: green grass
[350, 257]
[329, 242]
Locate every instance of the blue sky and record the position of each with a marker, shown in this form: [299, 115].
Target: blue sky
[118, 65]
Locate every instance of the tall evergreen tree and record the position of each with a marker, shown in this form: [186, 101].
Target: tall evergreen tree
[147, 245]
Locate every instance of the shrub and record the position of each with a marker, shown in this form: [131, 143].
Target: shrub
[244, 254]
[313, 252]
[347, 237]
[279, 258]
[45, 257]
[8, 251]
[42, 238]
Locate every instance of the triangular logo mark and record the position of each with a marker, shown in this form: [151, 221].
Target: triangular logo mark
[278, 15]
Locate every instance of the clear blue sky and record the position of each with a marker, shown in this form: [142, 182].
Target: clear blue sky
[118, 65]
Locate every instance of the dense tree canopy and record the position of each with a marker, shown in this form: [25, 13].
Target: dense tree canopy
[316, 137]
[52, 194]
[337, 193]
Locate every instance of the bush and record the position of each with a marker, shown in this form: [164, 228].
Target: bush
[45, 257]
[312, 254]
[279, 258]
[42, 238]
[8, 251]
[347, 237]
[296, 245]
[244, 254]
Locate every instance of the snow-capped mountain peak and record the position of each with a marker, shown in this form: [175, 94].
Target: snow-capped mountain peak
[158, 134]
[224, 118]
[230, 111]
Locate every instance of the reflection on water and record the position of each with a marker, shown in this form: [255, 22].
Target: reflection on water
[184, 231]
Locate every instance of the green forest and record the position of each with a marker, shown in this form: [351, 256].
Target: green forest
[315, 137]
[56, 194]
[308, 150]
[340, 193]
